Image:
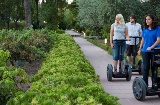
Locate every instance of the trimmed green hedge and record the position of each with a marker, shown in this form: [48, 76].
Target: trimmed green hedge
[66, 78]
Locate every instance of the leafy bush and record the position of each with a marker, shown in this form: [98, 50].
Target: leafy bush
[66, 78]
[20, 25]
[26, 45]
[87, 32]
[11, 79]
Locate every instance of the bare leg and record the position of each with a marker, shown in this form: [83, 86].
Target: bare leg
[129, 59]
[115, 62]
[122, 65]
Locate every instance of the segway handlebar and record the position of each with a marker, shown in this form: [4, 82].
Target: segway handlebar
[135, 36]
[120, 40]
[158, 48]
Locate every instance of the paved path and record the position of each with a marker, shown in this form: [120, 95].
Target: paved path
[99, 59]
[72, 33]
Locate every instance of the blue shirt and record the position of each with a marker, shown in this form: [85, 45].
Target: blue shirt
[150, 37]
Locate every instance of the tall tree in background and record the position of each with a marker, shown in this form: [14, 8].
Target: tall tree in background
[17, 12]
[94, 14]
[37, 20]
[52, 12]
[27, 13]
[91, 14]
[71, 15]
[6, 8]
[35, 13]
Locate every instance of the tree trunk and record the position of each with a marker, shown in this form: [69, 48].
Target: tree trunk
[37, 12]
[16, 25]
[27, 13]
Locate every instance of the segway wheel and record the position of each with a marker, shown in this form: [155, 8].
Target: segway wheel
[140, 66]
[139, 88]
[129, 73]
[109, 72]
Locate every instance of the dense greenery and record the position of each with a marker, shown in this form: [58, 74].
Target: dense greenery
[26, 45]
[48, 13]
[65, 78]
[99, 15]
[11, 79]
[80, 14]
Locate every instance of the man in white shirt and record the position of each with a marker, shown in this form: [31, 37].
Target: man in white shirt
[134, 29]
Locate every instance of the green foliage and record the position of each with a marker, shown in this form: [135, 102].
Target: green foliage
[58, 31]
[52, 12]
[70, 16]
[91, 14]
[105, 32]
[18, 25]
[65, 78]
[87, 32]
[95, 15]
[3, 57]
[10, 11]
[10, 79]
[26, 45]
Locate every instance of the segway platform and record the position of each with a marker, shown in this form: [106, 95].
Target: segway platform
[124, 72]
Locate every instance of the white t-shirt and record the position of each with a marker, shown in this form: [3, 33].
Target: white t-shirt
[119, 31]
[133, 30]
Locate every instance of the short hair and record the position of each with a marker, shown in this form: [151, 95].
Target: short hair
[121, 19]
[133, 17]
[154, 21]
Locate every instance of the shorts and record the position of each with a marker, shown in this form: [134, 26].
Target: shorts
[116, 50]
[130, 50]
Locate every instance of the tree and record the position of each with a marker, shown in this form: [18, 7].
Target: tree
[5, 12]
[70, 15]
[52, 12]
[17, 12]
[91, 14]
[27, 13]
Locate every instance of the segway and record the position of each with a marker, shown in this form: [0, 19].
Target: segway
[139, 67]
[125, 71]
[139, 87]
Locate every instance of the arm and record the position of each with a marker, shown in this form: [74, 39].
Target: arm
[126, 34]
[140, 47]
[141, 44]
[155, 44]
[140, 30]
[111, 36]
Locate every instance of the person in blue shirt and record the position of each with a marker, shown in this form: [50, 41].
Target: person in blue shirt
[150, 40]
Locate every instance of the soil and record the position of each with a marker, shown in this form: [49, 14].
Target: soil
[31, 69]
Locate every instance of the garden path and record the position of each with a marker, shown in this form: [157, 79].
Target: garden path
[119, 87]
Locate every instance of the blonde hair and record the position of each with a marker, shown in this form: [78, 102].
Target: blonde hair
[121, 22]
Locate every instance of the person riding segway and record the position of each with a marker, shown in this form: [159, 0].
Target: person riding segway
[118, 36]
[150, 49]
